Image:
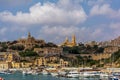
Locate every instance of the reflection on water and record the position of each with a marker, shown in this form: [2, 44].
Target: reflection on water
[19, 76]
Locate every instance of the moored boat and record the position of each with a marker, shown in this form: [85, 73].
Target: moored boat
[54, 74]
[62, 72]
[73, 74]
[45, 72]
[2, 78]
[114, 78]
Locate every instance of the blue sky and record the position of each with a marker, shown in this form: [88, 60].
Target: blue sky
[53, 20]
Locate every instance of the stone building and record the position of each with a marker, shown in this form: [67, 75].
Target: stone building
[111, 49]
[100, 56]
[5, 65]
[16, 65]
[49, 50]
[70, 43]
[9, 56]
[40, 61]
[63, 63]
[30, 42]
[52, 58]
[115, 42]
[92, 43]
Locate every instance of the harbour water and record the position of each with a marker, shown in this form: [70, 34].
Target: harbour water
[20, 76]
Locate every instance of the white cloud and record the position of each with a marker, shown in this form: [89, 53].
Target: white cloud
[83, 34]
[47, 14]
[96, 33]
[59, 30]
[115, 25]
[115, 29]
[105, 9]
[3, 30]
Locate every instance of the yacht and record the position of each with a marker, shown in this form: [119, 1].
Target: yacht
[35, 73]
[114, 78]
[24, 72]
[103, 75]
[73, 74]
[88, 73]
[61, 72]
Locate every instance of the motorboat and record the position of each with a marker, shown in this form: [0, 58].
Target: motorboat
[25, 72]
[2, 78]
[61, 72]
[35, 72]
[54, 74]
[45, 72]
[103, 74]
[6, 72]
[114, 78]
[88, 73]
[73, 74]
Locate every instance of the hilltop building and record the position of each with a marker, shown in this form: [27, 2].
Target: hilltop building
[30, 42]
[114, 42]
[70, 43]
[91, 43]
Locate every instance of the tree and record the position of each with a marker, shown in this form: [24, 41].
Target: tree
[17, 47]
[28, 54]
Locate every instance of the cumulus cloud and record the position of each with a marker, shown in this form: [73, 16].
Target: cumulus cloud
[61, 19]
[60, 30]
[105, 9]
[46, 14]
[83, 34]
[58, 33]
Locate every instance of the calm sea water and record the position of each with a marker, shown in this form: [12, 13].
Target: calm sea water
[19, 76]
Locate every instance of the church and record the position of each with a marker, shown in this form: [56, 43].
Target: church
[30, 42]
[69, 43]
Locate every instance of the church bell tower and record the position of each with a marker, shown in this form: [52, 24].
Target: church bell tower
[29, 35]
[74, 40]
